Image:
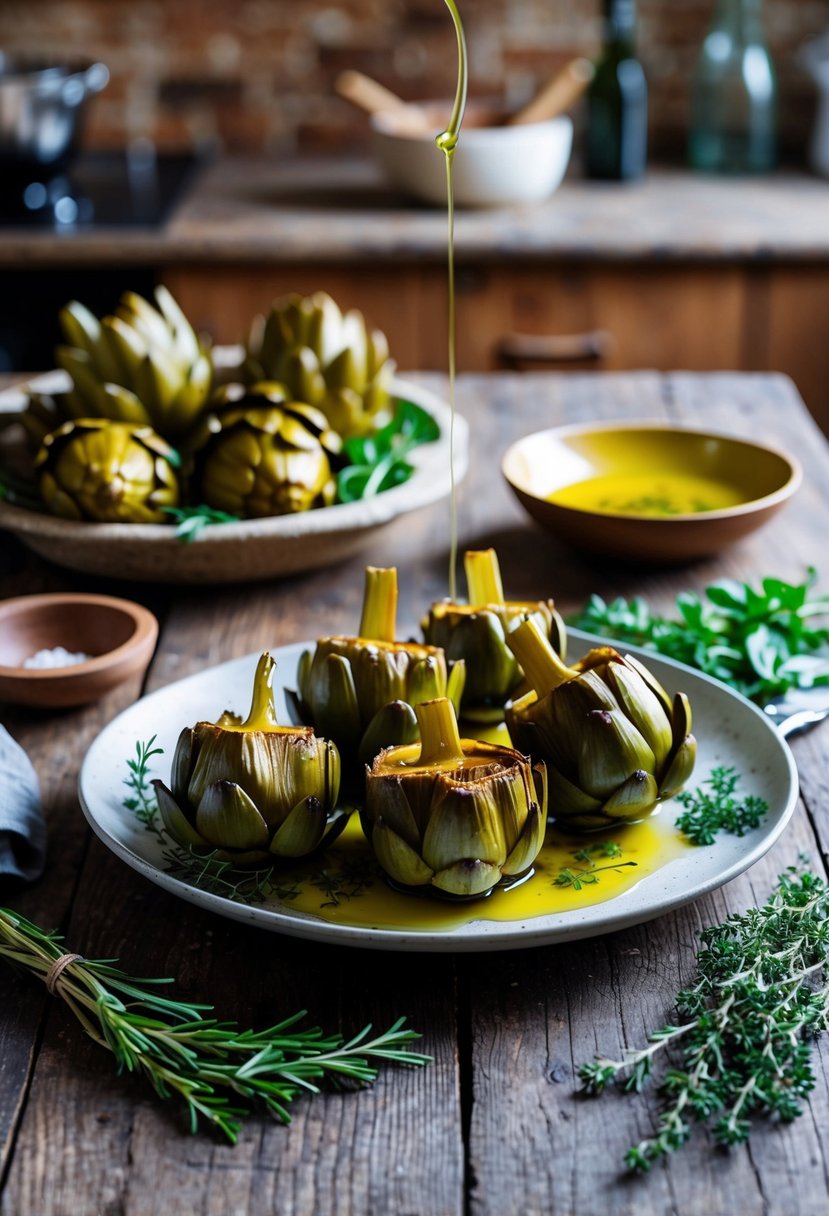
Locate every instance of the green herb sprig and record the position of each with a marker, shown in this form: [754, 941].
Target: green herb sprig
[763, 642]
[191, 521]
[141, 801]
[759, 994]
[378, 461]
[220, 1072]
[588, 873]
[719, 808]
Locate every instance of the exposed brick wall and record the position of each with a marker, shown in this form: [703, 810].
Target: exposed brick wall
[256, 75]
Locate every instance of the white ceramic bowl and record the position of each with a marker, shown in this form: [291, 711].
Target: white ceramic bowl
[494, 166]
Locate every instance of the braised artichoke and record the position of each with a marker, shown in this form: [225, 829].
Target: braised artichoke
[476, 632]
[360, 690]
[451, 816]
[323, 357]
[143, 365]
[253, 790]
[109, 472]
[614, 742]
[258, 454]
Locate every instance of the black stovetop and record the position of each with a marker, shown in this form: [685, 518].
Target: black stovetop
[100, 190]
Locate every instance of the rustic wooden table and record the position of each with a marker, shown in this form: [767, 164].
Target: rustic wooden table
[493, 1126]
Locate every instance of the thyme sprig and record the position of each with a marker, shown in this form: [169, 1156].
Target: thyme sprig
[588, 873]
[719, 808]
[760, 993]
[220, 1072]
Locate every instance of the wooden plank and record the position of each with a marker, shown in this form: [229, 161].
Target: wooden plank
[223, 301]
[796, 304]
[651, 322]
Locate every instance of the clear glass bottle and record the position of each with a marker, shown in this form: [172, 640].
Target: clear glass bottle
[734, 100]
[617, 101]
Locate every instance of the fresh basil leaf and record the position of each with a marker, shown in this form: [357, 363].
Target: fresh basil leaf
[377, 461]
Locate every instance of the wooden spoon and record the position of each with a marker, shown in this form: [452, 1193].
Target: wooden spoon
[558, 95]
[375, 98]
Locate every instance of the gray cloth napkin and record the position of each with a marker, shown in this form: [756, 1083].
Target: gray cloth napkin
[22, 827]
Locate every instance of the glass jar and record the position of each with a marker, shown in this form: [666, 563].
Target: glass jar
[734, 100]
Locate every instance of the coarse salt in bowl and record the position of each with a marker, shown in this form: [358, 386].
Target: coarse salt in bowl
[71, 648]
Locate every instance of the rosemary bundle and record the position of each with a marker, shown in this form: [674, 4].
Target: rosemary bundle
[219, 1071]
[760, 992]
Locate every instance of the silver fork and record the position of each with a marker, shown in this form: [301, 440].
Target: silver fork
[799, 709]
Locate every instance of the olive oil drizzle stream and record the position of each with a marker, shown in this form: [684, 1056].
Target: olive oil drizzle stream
[447, 141]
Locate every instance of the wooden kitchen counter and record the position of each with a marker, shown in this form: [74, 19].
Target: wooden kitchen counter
[680, 270]
[255, 212]
[493, 1126]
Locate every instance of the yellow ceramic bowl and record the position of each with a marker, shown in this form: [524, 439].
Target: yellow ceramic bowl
[648, 491]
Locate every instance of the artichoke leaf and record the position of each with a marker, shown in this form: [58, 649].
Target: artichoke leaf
[680, 767]
[528, 844]
[634, 798]
[301, 831]
[228, 819]
[464, 823]
[175, 821]
[611, 748]
[468, 878]
[393, 724]
[399, 860]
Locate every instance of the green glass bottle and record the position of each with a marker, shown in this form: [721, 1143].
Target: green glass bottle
[734, 101]
[617, 101]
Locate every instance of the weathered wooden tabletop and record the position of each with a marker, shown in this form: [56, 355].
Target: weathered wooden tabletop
[494, 1126]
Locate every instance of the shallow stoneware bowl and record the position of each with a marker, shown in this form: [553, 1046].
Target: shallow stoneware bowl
[648, 491]
[250, 549]
[119, 636]
[494, 166]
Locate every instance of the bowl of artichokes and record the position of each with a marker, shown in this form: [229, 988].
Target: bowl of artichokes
[147, 455]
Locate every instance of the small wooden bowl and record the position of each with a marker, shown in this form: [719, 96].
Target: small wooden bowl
[119, 634]
[627, 473]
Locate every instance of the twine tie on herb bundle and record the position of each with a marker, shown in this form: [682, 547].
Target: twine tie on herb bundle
[52, 976]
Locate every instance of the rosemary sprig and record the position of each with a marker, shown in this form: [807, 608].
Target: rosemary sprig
[142, 802]
[588, 873]
[759, 994]
[220, 1072]
[719, 809]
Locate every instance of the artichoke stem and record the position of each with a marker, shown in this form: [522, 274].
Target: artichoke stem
[542, 666]
[262, 715]
[440, 743]
[483, 577]
[379, 619]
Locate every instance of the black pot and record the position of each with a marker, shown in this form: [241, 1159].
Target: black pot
[41, 107]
